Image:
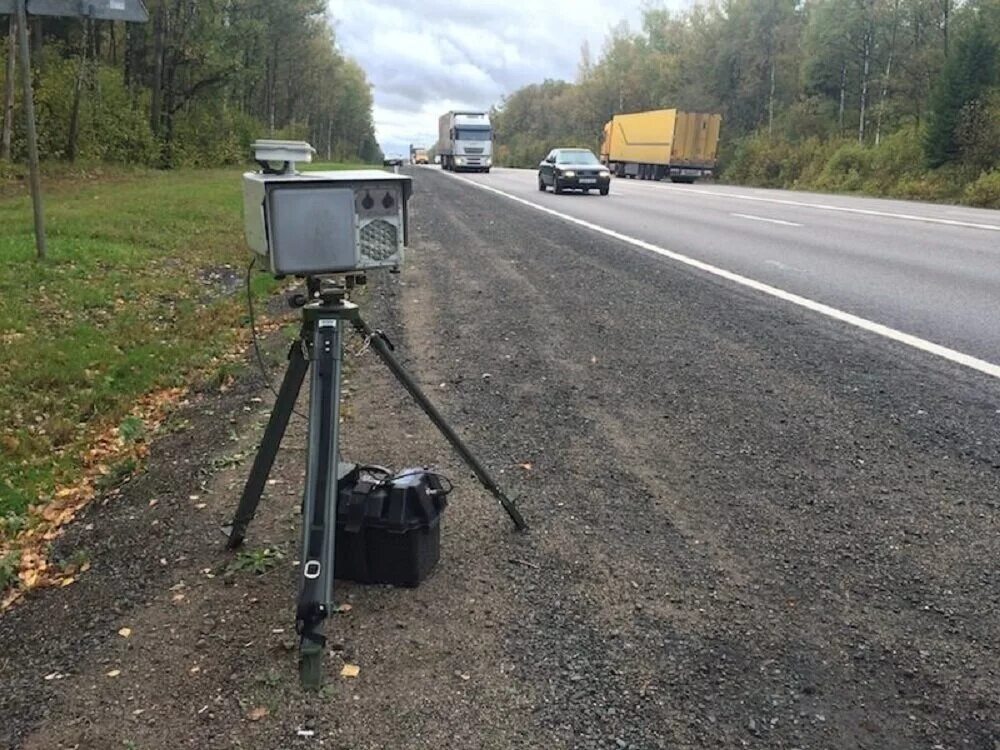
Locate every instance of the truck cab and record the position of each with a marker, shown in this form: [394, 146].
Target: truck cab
[465, 141]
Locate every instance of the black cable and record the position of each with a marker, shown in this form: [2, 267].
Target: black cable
[265, 376]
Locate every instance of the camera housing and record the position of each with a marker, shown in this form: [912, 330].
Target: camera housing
[320, 223]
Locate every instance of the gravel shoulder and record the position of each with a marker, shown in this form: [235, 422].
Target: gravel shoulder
[750, 528]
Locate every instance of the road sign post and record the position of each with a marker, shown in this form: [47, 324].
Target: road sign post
[34, 178]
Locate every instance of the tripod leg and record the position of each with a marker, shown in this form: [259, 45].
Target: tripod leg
[380, 346]
[319, 522]
[276, 425]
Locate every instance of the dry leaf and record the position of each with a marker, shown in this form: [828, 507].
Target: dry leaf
[125, 632]
[258, 713]
[114, 673]
[526, 466]
[106, 448]
[342, 608]
[66, 581]
[350, 670]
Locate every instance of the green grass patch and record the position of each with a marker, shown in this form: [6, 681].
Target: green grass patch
[257, 561]
[143, 289]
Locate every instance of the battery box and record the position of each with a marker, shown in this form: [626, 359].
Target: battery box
[389, 526]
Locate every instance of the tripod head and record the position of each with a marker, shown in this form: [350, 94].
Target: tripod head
[328, 291]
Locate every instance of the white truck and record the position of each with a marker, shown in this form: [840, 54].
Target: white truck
[465, 141]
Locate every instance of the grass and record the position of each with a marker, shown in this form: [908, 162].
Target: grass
[142, 290]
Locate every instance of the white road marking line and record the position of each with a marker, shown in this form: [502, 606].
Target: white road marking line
[829, 207]
[770, 221]
[959, 358]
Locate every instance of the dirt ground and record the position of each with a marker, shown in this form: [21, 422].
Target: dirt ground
[739, 538]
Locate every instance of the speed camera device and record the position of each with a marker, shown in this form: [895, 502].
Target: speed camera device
[318, 223]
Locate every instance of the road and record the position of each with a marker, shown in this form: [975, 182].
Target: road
[927, 270]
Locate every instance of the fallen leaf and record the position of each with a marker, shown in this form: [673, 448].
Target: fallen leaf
[343, 608]
[258, 713]
[350, 670]
[125, 632]
[526, 466]
[114, 673]
[67, 581]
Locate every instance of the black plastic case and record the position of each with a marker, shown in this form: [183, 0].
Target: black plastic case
[389, 529]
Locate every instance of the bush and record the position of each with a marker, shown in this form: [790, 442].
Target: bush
[985, 191]
[209, 135]
[113, 124]
[897, 158]
[848, 169]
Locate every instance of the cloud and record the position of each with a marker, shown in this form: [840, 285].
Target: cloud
[425, 57]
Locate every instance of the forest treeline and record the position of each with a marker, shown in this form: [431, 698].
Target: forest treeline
[193, 86]
[889, 97]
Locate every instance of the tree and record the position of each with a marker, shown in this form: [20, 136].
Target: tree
[197, 83]
[968, 73]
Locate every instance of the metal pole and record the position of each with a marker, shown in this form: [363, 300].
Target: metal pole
[382, 349]
[29, 113]
[319, 514]
[284, 405]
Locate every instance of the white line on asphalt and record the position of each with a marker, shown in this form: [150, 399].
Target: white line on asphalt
[966, 360]
[770, 221]
[828, 207]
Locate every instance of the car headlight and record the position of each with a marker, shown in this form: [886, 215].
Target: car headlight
[604, 173]
[489, 162]
[567, 173]
[460, 160]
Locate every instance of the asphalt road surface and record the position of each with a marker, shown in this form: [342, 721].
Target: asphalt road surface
[926, 270]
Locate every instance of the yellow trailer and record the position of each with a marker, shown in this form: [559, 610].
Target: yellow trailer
[662, 143]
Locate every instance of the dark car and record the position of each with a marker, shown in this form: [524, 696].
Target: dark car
[573, 169]
[392, 160]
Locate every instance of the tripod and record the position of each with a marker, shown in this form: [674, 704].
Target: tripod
[325, 313]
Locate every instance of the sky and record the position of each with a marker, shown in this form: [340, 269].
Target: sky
[425, 57]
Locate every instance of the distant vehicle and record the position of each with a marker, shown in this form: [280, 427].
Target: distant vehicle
[573, 169]
[465, 141]
[418, 155]
[392, 160]
[662, 143]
